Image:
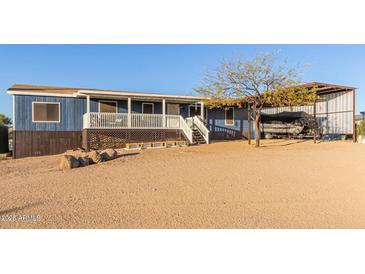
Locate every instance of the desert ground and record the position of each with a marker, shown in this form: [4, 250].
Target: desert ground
[283, 184]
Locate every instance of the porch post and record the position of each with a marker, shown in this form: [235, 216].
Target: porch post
[129, 112]
[87, 103]
[202, 110]
[249, 136]
[164, 113]
[315, 119]
[87, 111]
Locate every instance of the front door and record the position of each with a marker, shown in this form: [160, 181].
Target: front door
[147, 108]
[194, 110]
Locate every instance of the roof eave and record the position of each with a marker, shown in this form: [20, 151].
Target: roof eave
[311, 84]
[33, 93]
[138, 94]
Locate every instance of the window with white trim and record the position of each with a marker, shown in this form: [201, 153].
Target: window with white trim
[148, 108]
[229, 116]
[46, 112]
[108, 106]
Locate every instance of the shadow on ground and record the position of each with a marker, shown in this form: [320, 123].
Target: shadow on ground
[126, 155]
[16, 209]
[284, 143]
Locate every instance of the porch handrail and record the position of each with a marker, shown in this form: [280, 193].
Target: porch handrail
[186, 129]
[85, 120]
[190, 121]
[201, 127]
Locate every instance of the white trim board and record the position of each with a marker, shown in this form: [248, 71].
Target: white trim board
[44, 94]
[139, 94]
[13, 112]
[49, 103]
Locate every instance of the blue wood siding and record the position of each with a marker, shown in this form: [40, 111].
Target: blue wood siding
[216, 121]
[71, 109]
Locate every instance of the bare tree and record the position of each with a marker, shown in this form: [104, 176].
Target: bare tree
[259, 82]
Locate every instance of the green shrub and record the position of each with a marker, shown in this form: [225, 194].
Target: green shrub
[360, 128]
[4, 120]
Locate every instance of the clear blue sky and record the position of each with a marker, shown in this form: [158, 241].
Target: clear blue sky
[163, 68]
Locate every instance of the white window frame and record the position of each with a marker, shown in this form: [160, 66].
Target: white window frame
[108, 101]
[153, 107]
[225, 116]
[49, 103]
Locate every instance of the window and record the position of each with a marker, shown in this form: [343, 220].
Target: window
[108, 106]
[173, 109]
[229, 116]
[43, 112]
[147, 108]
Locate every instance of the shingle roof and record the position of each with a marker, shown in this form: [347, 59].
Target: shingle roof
[55, 89]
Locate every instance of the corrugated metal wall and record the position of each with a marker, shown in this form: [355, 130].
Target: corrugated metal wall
[334, 112]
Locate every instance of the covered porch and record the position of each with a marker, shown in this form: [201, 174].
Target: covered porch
[144, 113]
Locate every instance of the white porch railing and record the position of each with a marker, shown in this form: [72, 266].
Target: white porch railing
[186, 129]
[190, 121]
[146, 120]
[105, 120]
[120, 120]
[201, 127]
[100, 120]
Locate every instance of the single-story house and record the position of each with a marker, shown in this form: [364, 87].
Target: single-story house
[49, 120]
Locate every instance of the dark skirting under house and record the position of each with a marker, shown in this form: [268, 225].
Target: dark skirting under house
[37, 143]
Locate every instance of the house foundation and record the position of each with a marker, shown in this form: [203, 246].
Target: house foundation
[118, 138]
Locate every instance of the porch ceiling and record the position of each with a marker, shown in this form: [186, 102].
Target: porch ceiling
[143, 97]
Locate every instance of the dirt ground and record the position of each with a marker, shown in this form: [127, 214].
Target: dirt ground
[284, 184]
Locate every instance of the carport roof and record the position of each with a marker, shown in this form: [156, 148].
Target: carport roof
[326, 87]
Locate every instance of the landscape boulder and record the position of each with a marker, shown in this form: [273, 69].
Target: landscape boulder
[108, 154]
[69, 162]
[84, 161]
[76, 153]
[94, 157]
